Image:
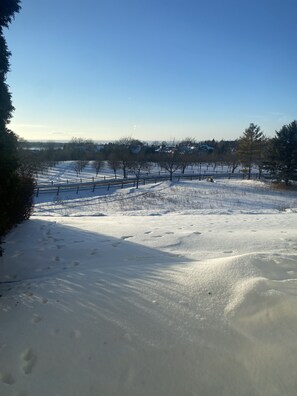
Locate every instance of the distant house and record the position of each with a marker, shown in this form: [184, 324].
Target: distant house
[206, 148]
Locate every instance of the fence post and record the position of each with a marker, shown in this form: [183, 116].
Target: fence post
[94, 187]
[58, 190]
[77, 189]
[37, 192]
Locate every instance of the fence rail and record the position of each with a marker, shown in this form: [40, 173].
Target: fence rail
[56, 189]
[110, 177]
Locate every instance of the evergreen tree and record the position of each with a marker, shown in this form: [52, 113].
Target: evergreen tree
[251, 145]
[16, 186]
[282, 154]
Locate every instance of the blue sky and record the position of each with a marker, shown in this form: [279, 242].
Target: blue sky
[152, 69]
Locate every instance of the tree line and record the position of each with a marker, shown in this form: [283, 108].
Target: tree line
[277, 156]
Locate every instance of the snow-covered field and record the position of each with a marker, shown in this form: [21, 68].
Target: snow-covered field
[175, 289]
[64, 172]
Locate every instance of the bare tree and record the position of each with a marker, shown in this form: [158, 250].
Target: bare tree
[125, 149]
[171, 162]
[97, 163]
[232, 160]
[138, 165]
[113, 163]
[79, 166]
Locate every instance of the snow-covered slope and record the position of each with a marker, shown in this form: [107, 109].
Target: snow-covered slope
[179, 300]
[221, 197]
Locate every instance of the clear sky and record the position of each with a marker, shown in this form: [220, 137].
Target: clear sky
[152, 69]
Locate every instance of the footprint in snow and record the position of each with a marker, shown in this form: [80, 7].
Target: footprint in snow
[58, 239]
[7, 378]
[28, 359]
[115, 244]
[127, 236]
[36, 318]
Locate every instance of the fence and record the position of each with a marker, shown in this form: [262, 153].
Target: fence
[110, 183]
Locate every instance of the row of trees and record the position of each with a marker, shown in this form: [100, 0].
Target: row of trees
[16, 184]
[278, 155]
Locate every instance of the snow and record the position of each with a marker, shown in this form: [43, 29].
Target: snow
[64, 171]
[223, 196]
[173, 289]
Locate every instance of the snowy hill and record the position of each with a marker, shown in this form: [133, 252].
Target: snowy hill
[172, 289]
